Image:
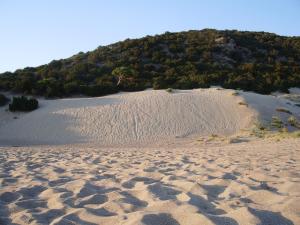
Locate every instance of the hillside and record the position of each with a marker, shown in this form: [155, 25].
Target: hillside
[256, 61]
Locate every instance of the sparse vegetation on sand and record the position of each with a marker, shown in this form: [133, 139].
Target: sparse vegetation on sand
[243, 103]
[235, 93]
[283, 135]
[293, 121]
[258, 133]
[169, 90]
[276, 122]
[261, 130]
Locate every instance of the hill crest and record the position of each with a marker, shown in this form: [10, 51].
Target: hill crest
[257, 61]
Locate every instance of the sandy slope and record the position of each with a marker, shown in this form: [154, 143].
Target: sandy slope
[266, 106]
[140, 158]
[129, 118]
[253, 182]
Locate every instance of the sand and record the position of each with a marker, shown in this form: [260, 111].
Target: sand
[128, 118]
[149, 158]
[246, 183]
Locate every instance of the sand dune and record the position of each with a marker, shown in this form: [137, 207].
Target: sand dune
[149, 158]
[145, 117]
[129, 118]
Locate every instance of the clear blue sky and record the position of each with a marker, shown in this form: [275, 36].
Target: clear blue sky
[34, 32]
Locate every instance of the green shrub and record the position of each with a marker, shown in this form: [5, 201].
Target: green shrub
[3, 100]
[259, 130]
[276, 122]
[97, 90]
[23, 104]
[293, 121]
[169, 90]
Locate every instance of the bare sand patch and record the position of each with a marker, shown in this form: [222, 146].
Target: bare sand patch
[254, 182]
[128, 118]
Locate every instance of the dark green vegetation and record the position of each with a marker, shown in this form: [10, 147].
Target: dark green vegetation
[23, 104]
[3, 100]
[256, 61]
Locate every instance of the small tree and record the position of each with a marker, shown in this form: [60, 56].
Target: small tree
[123, 73]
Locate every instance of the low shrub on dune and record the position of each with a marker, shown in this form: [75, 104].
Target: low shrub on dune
[293, 121]
[276, 122]
[169, 90]
[3, 100]
[23, 104]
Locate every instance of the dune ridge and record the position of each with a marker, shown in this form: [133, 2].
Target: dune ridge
[129, 118]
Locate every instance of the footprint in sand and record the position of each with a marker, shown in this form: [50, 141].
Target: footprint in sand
[9, 197]
[159, 219]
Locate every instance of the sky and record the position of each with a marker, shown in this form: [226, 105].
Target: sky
[35, 32]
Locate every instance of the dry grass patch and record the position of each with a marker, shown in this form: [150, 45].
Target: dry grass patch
[169, 90]
[283, 110]
[293, 122]
[243, 103]
[235, 93]
[276, 122]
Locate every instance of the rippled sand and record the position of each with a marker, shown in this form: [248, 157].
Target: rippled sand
[255, 182]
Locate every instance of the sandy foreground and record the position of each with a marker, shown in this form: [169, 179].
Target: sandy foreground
[254, 182]
[149, 158]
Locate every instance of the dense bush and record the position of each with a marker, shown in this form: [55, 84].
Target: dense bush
[23, 104]
[253, 61]
[3, 100]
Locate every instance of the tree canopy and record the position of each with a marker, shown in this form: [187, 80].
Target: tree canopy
[256, 61]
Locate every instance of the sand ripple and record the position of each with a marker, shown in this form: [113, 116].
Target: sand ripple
[233, 184]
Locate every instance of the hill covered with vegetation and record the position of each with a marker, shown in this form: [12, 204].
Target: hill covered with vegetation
[256, 61]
